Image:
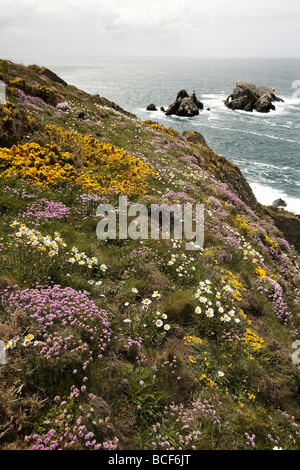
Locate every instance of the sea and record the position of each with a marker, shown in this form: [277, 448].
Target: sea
[266, 147]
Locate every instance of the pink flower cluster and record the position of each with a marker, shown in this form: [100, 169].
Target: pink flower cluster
[45, 209]
[64, 106]
[61, 307]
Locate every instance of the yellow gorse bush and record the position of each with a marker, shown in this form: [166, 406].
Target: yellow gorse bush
[6, 111]
[260, 272]
[271, 242]
[34, 163]
[160, 127]
[236, 286]
[253, 340]
[242, 223]
[77, 159]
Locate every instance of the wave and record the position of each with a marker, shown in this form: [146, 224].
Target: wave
[267, 195]
[251, 132]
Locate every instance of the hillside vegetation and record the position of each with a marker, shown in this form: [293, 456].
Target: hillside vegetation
[135, 344]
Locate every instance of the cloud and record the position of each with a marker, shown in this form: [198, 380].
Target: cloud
[156, 27]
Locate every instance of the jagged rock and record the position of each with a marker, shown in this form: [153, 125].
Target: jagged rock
[296, 280]
[289, 225]
[249, 97]
[279, 203]
[194, 136]
[185, 105]
[151, 107]
[52, 76]
[224, 257]
[105, 103]
[79, 114]
[250, 305]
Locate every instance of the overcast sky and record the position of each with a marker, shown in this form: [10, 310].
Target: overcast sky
[164, 28]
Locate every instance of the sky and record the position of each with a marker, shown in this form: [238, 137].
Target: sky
[150, 28]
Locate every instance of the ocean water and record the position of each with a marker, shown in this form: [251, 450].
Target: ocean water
[266, 147]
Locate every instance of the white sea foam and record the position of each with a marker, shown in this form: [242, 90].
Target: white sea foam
[267, 195]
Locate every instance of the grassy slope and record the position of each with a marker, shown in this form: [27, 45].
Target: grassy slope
[151, 387]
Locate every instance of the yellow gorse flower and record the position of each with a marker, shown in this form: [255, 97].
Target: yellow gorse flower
[77, 159]
[236, 286]
[160, 127]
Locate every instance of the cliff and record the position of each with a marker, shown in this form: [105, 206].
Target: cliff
[129, 343]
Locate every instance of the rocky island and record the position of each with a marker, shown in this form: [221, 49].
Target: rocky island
[185, 105]
[249, 97]
[129, 344]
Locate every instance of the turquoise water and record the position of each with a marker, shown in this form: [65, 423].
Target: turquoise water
[265, 146]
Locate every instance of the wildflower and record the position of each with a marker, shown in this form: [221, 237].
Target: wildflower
[158, 323]
[209, 313]
[164, 316]
[198, 310]
[146, 302]
[167, 327]
[11, 344]
[103, 267]
[155, 294]
[220, 374]
[226, 318]
[98, 283]
[203, 300]
[134, 290]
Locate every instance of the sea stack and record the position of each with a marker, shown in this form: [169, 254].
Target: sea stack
[185, 105]
[249, 97]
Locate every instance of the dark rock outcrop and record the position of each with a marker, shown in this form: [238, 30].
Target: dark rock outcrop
[185, 105]
[289, 225]
[249, 97]
[52, 76]
[104, 102]
[222, 169]
[151, 107]
[194, 136]
[279, 203]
